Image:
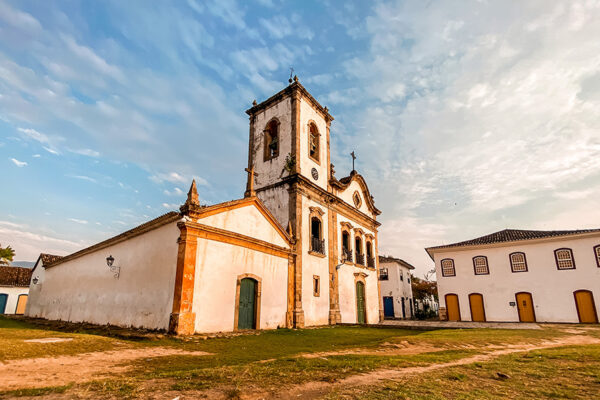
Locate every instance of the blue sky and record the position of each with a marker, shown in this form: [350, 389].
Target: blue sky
[467, 117]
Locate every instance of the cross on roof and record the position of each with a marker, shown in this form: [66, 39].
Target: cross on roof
[353, 158]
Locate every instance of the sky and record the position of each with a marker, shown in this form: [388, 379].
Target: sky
[467, 117]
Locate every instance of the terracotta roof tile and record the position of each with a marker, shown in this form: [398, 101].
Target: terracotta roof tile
[49, 258]
[512, 235]
[15, 276]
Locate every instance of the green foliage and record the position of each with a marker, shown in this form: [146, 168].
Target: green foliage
[7, 255]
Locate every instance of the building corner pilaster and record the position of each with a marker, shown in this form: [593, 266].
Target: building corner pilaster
[182, 320]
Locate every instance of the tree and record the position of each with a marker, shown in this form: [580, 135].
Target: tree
[423, 289]
[6, 255]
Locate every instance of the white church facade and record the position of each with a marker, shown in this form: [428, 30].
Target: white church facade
[520, 276]
[300, 249]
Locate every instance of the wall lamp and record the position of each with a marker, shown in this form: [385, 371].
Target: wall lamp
[110, 260]
[336, 268]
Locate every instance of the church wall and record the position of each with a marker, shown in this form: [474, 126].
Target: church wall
[272, 171]
[316, 309]
[347, 281]
[84, 289]
[347, 194]
[247, 221]
[307, 114]
[277, 201]
[217, 269]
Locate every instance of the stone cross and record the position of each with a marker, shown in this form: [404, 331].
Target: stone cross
[353, 158]
[250, 187]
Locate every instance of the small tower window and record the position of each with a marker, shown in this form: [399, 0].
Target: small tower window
[317, 244]
[271, 140]
[564, 259]
[316, 286]
[313, 142]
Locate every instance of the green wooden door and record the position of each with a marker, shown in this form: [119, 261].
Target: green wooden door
[360, 302]
[246, 316]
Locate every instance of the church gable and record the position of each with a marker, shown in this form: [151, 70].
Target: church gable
[354, 191]
[246, 217]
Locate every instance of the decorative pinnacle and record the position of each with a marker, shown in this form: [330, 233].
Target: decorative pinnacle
[254, 103]
[192, 203]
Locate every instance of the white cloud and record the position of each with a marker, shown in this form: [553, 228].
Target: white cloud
[78, 221]
[36, 156]
[86, 152]
[175, 192]
[83, 178]
[172, 206]
[18, 163]
[51, 151]
[28, 245]
[35, 135]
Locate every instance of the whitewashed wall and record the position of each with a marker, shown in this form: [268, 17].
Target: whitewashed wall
[316, 309]
[307, 114]
[397, 288]
[84, 289]
[347, 194]
[13, 293]
[551, 289]
[347, 286]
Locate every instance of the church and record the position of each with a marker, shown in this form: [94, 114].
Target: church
[299, 249]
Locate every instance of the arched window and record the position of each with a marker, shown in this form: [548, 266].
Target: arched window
[271, 140]
[360, 257]
[448, 267]
[346, 249]
[564, 259]
[314, 139]
[317, 244]
[518, 262]
[480, 265]
[370, 258]
[597, 254]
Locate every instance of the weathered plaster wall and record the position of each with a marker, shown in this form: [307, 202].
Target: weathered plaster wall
[307, 114]
[347, 285]
[316, 309]
[84, 289]
[13, 293]
[272, 171]
[551, 289]
[397, 288]
[217, 267]
[277, 201]
[34, 289]
[247, 221]
[347, 194]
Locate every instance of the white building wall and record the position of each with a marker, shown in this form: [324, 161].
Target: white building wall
[307, 114]
[84, 289]
[397, 288]
[347, 194]
[13, 293]
[217, 269]
[347, 283]
[551, 289]
[316, 309]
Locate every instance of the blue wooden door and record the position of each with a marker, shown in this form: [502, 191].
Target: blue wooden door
[247, 308]
[388, 307]
[3, 299]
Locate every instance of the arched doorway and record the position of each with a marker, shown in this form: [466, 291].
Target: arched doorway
[361, 311]
[476, 306]
[525, 307]
[247, 304]
[21, 304]
[452, 307]
[586, 309]
[3, 300]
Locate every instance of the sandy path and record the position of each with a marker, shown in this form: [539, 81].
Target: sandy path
[57, 371]
[313, 390]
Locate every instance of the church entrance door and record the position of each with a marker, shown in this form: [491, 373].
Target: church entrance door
[247, 306]
[360, 303]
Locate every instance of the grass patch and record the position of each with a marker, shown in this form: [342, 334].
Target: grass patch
[571, 372]
[34, 392]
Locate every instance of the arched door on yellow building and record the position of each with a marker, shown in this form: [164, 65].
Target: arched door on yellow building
[476, 306]
[525, 307]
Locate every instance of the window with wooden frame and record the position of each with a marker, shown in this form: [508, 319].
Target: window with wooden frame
[316, 286]
[383, 274]
[448, 267]
[271, 140]
[358, 249]
[480, 265]
[564, 258]
[370, 258]
[597, 254]
[518, 262]
[314, 140]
